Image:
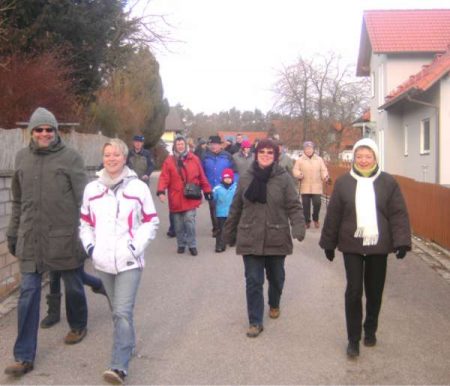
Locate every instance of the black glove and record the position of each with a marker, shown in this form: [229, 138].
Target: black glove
[329, 253]
[208, 196]
[12, 242]
[400, 252]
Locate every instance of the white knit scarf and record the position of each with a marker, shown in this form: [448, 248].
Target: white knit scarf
[366, 212]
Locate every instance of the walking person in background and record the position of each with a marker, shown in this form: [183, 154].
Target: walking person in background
[286, 162]
[140, 159]
[47, 189]
[312, 173]
[214, 162]
[118, 221]
[243, 158]
[200, 149]
[223, 196]
[178, 169]
[366, 220]
[237, 145]
[265, 212]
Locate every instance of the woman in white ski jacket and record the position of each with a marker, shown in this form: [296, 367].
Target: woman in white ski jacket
[118, 220]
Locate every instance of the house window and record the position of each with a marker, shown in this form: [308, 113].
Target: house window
[405, 140]
[425, 136]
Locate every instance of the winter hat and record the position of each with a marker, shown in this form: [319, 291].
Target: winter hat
[267, 143]
[246, 144]
[42, 116]
[366, 142]
[202, 141]
[180, 137]
[228, 173]
[308, 144]
[215, 139]
[139, 138]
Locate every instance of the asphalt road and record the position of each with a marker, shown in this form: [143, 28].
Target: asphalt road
[191, 321]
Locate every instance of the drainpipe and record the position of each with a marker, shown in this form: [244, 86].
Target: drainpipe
[410, 99]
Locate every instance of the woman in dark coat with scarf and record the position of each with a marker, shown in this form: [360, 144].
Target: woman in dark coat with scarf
[366, 220]
[265, 215]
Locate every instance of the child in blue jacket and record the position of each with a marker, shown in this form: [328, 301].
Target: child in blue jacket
[223, 196]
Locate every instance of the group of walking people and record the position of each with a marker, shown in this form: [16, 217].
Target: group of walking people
[58, 220]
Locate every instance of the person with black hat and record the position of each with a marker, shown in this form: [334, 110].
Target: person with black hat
[214, 162]
[140, 159]
[47, 189]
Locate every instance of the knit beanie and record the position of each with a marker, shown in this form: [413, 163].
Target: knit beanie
[366, 142]
[42, 116]
[228, 173]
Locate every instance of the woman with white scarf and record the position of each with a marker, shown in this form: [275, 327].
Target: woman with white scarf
[118, 221]
[366, 220]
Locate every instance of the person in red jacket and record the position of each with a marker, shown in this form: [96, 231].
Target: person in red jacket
[177, 170]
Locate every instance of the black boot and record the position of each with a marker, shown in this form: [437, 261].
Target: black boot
[353, 349]
[54, 311]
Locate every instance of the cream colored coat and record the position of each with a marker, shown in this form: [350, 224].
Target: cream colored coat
[311, 173]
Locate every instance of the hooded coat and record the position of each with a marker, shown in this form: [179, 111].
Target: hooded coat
[47, 190]
[266, 229]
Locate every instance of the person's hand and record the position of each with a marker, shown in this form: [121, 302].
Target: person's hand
[208, 196]
[400, 252]
[12, 242]
[328, 181]
[144, 177]
[161, 196]
[329, 253]
[300, 238]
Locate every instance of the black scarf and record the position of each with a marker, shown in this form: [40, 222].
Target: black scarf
[257, 190]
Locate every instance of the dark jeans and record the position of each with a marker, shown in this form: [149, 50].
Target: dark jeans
[89, 280]
[171, 224]
[220, 243]
[369, 271]
[254, 280]
[212, 214]
[28, 310]
[316, 203]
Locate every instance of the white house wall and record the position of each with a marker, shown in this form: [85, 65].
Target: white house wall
[444, 133]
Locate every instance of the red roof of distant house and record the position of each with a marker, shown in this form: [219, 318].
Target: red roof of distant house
[423, 80]
[248, 135]
[415, 30]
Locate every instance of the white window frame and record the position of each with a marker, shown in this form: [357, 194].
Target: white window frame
[423, 133]
[405, 140]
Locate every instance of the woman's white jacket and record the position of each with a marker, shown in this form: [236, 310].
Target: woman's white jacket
[118, 224]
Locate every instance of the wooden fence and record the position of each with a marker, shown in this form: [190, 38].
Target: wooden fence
[428, 206]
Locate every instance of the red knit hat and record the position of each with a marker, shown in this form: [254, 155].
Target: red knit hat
[228, 173]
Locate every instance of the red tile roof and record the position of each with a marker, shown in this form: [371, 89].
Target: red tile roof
[423, 80]
[395, 31]
[415, 30]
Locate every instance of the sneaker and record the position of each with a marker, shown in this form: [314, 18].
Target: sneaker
[181, 249]
[353, 349]
[193, 251]
[115, 377]
[254, 330]
[274, 313]
[170, 234]
[75, 336]
[316, 224]
[17, 369]
[370, 340]
[220, 249]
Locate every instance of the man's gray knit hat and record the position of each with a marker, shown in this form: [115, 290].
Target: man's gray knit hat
[42, 116]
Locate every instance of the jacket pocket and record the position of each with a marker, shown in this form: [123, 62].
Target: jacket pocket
[277, 235]
[61, 243]
[244, 235]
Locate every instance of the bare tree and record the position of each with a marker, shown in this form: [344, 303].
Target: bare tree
[325, 96]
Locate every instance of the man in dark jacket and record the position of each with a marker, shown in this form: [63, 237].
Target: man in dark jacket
[140, 159]
[47, 189]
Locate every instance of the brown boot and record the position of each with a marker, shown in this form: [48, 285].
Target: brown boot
[17, 369]
[254, 330]
[75, 336]
[274, 313]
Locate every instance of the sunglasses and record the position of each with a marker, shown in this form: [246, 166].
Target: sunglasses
[40, 130]
[269, 152]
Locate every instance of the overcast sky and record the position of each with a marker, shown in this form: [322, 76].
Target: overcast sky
[231, 49]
